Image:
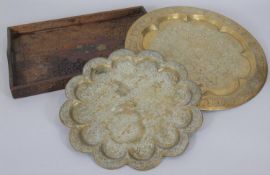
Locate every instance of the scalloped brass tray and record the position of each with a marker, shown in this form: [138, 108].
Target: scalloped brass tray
[222, 57]
[131, 109]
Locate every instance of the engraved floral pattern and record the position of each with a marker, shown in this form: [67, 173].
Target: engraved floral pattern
[131, 109]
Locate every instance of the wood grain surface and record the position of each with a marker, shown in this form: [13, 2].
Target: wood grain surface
[43, 56]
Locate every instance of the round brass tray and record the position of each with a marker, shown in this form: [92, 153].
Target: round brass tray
[223, 58]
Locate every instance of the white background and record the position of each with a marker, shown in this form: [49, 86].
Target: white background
[33, 141]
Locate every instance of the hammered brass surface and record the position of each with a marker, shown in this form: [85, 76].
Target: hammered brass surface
[222, 57]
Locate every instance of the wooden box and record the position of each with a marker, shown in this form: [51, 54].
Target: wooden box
[43, 56]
